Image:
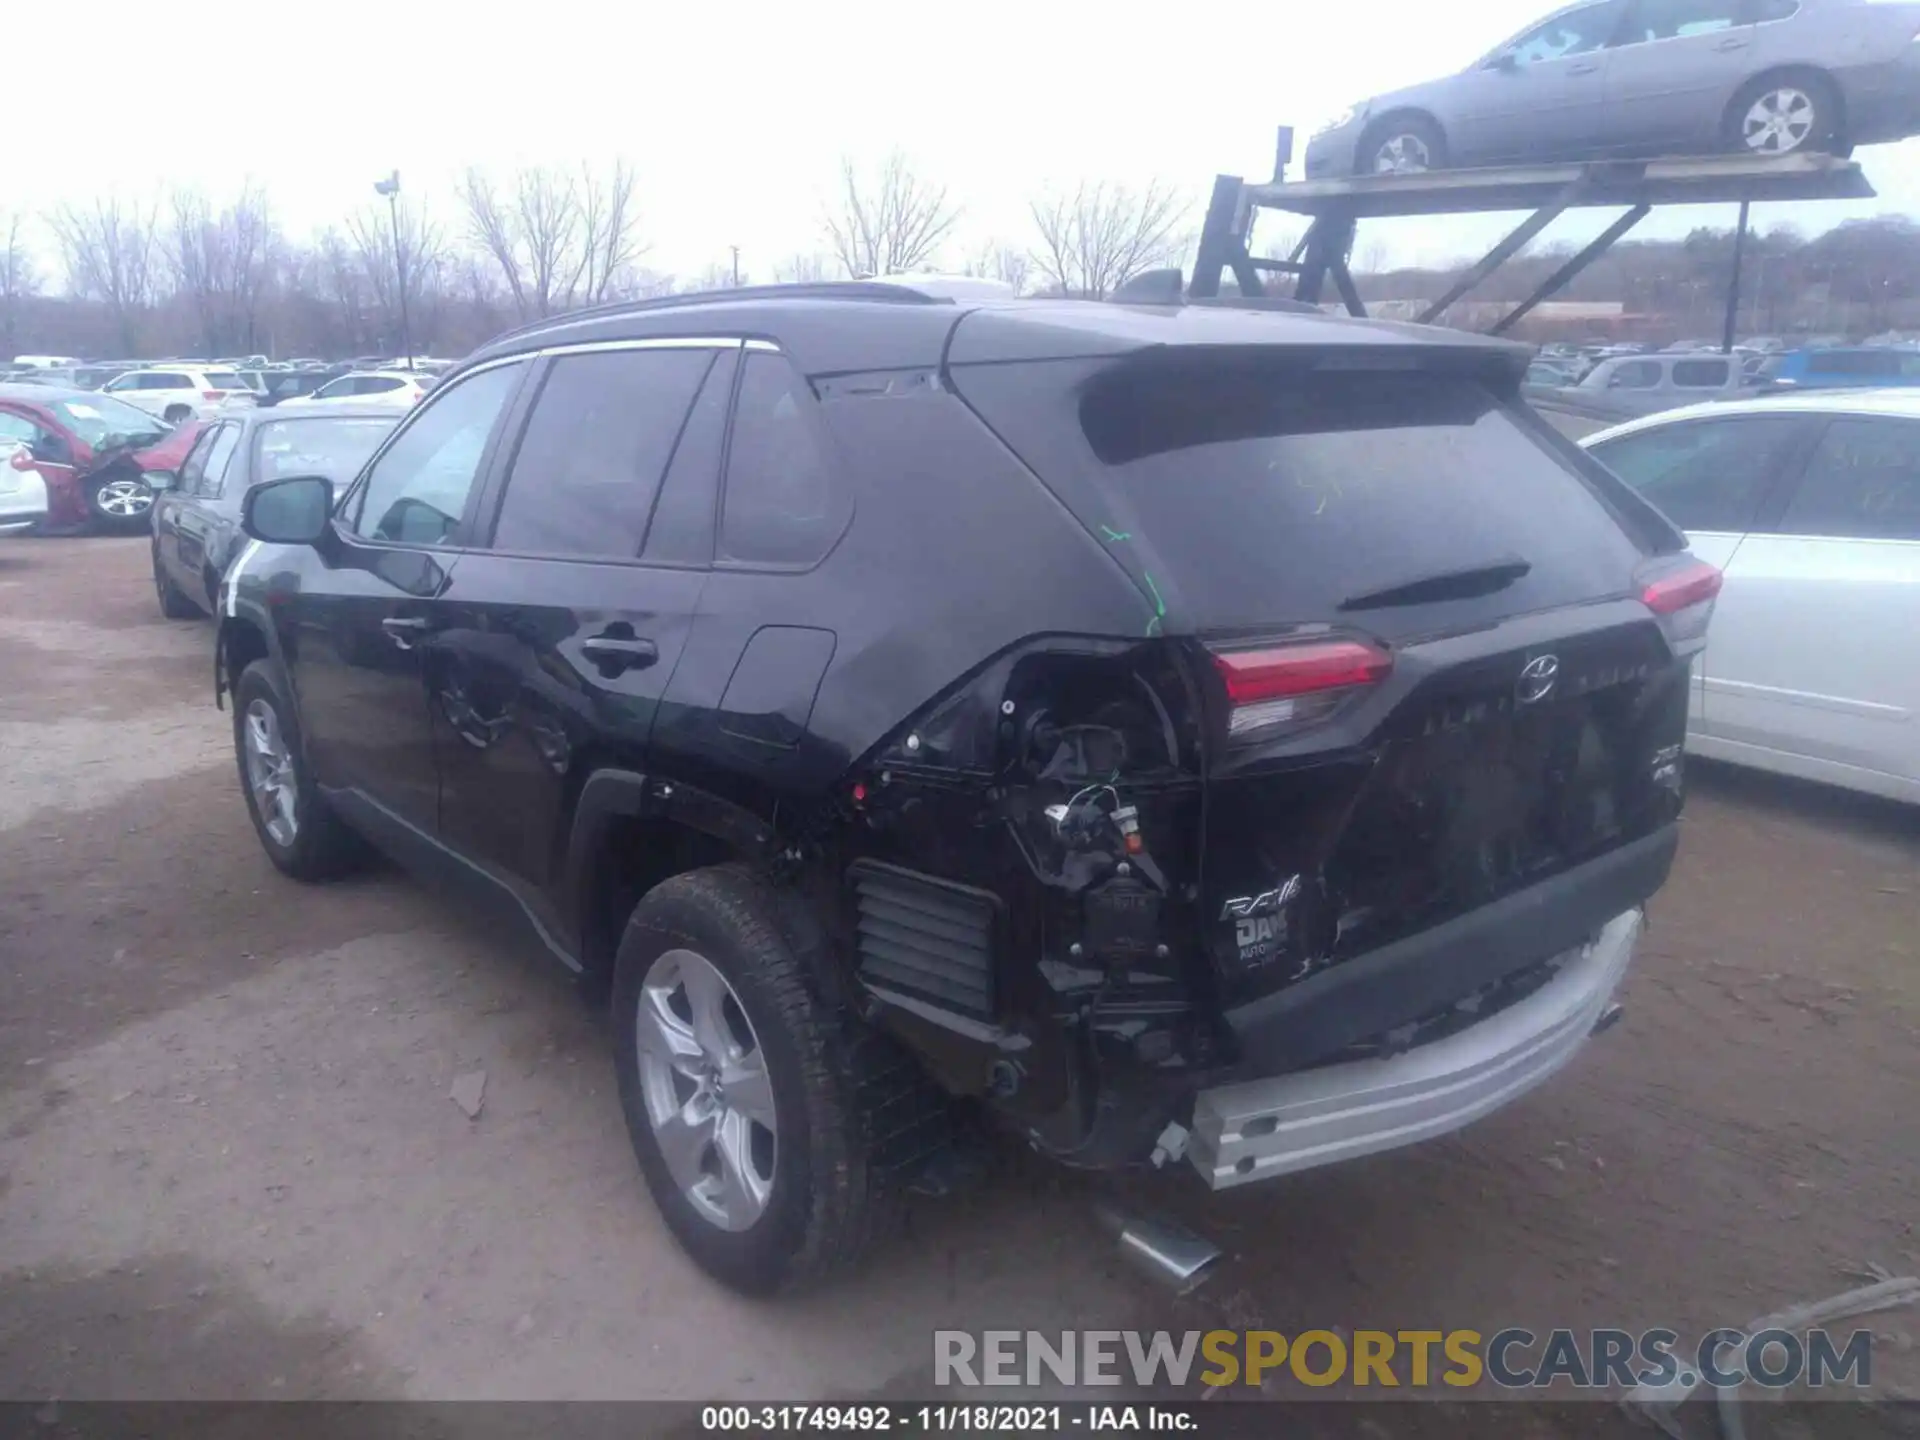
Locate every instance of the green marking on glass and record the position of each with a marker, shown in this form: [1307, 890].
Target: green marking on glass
[1116, 535]
[1159, 605]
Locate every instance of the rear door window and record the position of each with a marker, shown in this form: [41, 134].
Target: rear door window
[1705, 475]
[1260, 492]
[213, 479]
[782, 504]
[1636, 375]
[588, 468]
[1863, 482]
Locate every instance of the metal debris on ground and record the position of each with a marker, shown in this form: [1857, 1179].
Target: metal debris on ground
[1657, 1403]
[469, 1092]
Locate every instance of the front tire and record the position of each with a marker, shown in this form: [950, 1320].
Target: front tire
[1402, 145]
[1789, 113]
[120, 502]
[300, 833]
[753, 1102]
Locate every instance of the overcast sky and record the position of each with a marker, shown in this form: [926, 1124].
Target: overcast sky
[735, 116]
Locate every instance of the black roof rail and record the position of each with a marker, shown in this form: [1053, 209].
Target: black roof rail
[799, 290]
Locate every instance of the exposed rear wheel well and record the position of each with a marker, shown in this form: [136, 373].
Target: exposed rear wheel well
[635, 854]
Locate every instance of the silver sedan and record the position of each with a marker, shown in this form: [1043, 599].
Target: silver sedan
[1651, 77]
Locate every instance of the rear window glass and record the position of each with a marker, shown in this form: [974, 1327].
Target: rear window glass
[1265, 496]
[335, 447]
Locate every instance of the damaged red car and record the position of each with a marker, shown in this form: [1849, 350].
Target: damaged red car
[94, 452]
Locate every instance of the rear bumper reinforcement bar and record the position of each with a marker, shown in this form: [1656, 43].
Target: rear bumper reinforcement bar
[1262, 1128]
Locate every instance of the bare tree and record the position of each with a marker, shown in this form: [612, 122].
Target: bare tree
[556, 239]
[418, 257]
[608, 224]
[19, 277]
[889, 222]
[222, 264]
[1099, 236]
[997, 260]
[805, 269]
[108, 248]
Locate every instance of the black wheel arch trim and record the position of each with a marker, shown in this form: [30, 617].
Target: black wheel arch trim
[611, 794]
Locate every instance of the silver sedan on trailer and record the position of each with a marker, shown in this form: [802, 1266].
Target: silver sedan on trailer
[1651, 77]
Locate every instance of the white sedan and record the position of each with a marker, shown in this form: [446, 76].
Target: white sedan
[402, 387]
[1810, 504]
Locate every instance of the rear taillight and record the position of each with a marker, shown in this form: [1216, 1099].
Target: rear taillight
[212, 394]
[1681, 594]
[1287, 687]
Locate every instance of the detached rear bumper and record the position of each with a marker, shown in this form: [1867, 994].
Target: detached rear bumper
[1263, 1128]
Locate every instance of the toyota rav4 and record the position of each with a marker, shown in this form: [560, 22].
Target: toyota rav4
[1181, 734]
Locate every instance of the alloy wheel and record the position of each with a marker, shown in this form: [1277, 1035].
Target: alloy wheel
[709, 1098]
[1779, 121]
[1404, 154]
[270, 773]
[124, 499]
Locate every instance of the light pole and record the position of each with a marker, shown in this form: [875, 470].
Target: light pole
[390, 187]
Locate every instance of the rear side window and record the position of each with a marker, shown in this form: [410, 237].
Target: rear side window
[224, 380]
[1259, 493]
[1701, 374]
[589, 465]
[782, 504]
[165, 380]
[1704, 475]
[1863, 481]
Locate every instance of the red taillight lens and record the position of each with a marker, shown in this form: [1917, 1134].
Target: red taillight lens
[211, 394]
[1678, 589]
[1681, 595]
[1293, 686]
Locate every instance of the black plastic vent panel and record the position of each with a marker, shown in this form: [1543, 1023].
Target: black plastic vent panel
[926, 937]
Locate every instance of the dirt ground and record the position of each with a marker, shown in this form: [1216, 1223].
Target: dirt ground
[229, 1166]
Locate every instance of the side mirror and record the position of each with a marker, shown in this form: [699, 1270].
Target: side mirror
[158, 480]
[1505, 60]
[293, 511]
[21, 459]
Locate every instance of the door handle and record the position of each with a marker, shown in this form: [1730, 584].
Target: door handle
[1734, 43]
[403, 630]
[1586, 68]
[614, 654]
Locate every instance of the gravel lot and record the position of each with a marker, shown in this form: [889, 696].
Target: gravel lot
[229, 1165]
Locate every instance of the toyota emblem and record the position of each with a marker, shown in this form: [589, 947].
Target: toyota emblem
[1536, 679]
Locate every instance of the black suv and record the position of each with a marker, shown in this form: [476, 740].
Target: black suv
[1178, 733]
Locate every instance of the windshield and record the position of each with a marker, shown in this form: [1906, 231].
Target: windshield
[100, 419]
[333, 447]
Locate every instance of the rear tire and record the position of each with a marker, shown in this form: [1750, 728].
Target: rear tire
[300, 833]
[850, 1111]
[1790, 112]
[1402, 145]
[174, 602]
[177, 414]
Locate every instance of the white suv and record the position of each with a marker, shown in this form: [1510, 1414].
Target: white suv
[177, 393]
[402, 387]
